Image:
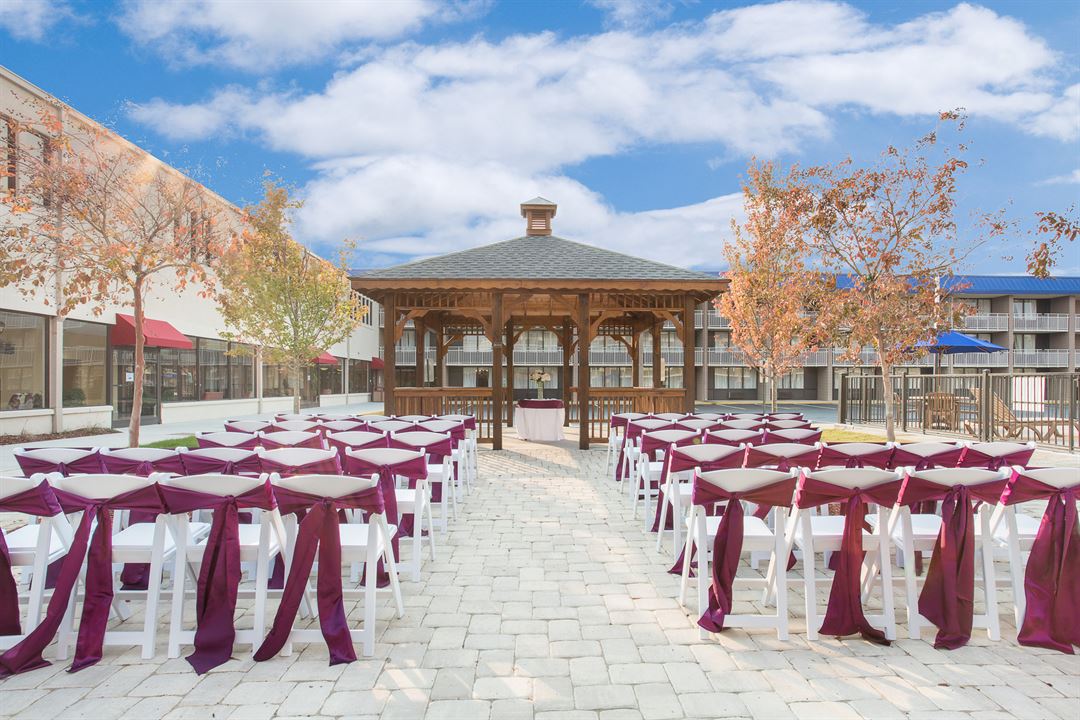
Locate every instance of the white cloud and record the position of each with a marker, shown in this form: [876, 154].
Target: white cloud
[633, 13]
[32, 19]
[256, 35]
[431, 147]
[1072, 178]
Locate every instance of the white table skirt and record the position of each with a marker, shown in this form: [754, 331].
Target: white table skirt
[540, 424]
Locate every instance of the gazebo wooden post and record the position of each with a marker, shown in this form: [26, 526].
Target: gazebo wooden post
[567, 342]
[440, 355]
[420, 331]
[496, 371]
[509, 351]
[689, 381]
[635, 358]
[389, 353]
[657, 379]
[584, 340]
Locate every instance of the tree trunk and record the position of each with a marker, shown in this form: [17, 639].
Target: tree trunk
[140, 368]
[774, 394]
[886, 391]
[296, 390]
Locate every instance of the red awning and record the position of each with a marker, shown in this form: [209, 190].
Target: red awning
[156, 333]
[376, 363]
[325, 358]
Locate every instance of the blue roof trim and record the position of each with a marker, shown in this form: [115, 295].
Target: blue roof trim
[1002, 285]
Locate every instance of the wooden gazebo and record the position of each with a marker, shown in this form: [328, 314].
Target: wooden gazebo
[579, 292]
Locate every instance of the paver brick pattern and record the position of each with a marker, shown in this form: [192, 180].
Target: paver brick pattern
[547, 601]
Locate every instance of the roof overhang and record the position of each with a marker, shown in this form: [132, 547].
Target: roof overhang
[378, 288]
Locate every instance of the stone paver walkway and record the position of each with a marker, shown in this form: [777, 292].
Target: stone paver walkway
[547, 601]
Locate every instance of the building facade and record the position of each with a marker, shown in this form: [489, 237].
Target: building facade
[1037, 320]
[78, 371]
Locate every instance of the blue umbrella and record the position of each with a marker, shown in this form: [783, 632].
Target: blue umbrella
[952, 342]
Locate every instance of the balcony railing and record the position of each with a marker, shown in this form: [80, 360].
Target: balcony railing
[987, 322]
[1041, 322]
[1040, 358]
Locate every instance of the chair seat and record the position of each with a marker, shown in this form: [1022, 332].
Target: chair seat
[249, 539]
[828, 531]
[756, 534]
[1027, 528]
[139, 537]
[22, 544]
[354, 539]
[406, 499]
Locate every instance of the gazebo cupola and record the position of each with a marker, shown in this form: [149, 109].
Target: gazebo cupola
[538, 213]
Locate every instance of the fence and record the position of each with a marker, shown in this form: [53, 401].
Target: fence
[989, 406]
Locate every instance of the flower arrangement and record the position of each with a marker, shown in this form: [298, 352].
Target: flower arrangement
[540, 377]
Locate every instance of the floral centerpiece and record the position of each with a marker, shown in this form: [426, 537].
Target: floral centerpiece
[540, 377]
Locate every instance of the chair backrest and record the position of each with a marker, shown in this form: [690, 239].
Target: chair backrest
[14, 485]
[442, 426]
[648, 424]
[798, 435]
[629, 416]
[787, 424]
[227, 439]
[670, 416]
[214, 483]
[697, 423]
[786, 450]
[1058, 477]
[413, 418]
[372, 418]
[295, 425]
[854, 477]
[708, 416]
[330, 486]
[384, 456]
[1000, 449]
[294, 416]
[786, 416]
[746, 416]
[743, 479]
[344, 425]
[928, 449]
[297, 456]
[706, 454]
[420, 438]
[742, 424]
[289, 438]
[355, 438]
[140, 454]
[53, 459]
[391, 425]
[669, 436]
[951, 477]
[100, 486]
[219, 460]
[248, 426]
[728, 436]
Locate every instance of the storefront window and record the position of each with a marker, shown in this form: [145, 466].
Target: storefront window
[330, 378]
[22, 361]
[214, 369]
[84, 363]
[359, 376]
[241, 371]
[178, 375]
[276, 381]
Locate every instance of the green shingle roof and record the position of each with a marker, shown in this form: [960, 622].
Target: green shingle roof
[537, 258]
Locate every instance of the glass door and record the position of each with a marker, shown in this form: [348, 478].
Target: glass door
[124, 386]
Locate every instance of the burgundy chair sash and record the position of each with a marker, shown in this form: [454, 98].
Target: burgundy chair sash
[119, 465]
[977, 459]
[541, 404]
[230, 427]
[456, 431]
[318, 533]
[40, 502]
[944, 459]
[844, 615]
[948, 595]
[1052, 574]
[31, 465]
[200, 465]
[773, 436]
[322, 466]
[438, 452]
[380, 442]
[315, 442]
[727, 546]
[675, 462]
[755, 437]
[27, 654]
[877, 459]
[412, 469]
[220, 572]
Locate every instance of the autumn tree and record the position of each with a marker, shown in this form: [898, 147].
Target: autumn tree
[1052, 230]
[97, 222]
[276, 295]
[888, 232]
[772, 297]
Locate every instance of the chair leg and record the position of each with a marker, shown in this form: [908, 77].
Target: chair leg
[688, 550]
[663, 519]
[993, 621]
[885, 560]
[391, 566]
[779, 562]
[179, 579]
[375, 539]
[702, 571]
[153, 590]
[1016, 570]
[431, 524]
[913, 618]
[809, 578]
[262, 582]
[38, 575]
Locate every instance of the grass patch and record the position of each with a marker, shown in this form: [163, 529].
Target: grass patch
[841, 435]
[23, 438]
[187, 441]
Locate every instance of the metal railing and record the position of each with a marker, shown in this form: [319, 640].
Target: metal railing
[1041, 322]
[988, 406]
[987, 321]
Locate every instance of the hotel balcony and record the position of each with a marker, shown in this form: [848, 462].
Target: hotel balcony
[1042, 322]
[987, 322]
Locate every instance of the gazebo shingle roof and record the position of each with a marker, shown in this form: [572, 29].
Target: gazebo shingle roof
[537, 258]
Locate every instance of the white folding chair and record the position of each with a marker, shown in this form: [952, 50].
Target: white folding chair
[289, 439]
[679, 486]
[260, 544]
[757, 536]
[441, 473]
[296, 425]
[31, 547]
[247, 426]
[813, 534]
[287, 417]
[360, 543]
[650, 466]
[460, 456]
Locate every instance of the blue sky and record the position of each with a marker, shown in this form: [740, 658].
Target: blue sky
[417, 127]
